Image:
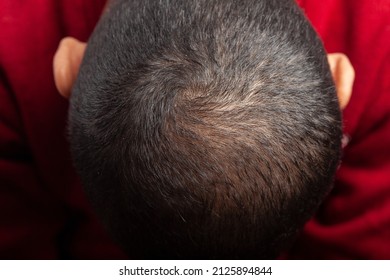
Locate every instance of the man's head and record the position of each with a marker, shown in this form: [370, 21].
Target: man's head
[204, 129]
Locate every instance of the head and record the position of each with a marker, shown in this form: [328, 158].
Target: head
[202, 129]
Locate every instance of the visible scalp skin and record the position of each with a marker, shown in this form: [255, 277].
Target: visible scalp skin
[205, 129]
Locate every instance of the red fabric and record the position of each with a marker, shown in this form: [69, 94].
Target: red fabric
[354, 222]
[43, 212]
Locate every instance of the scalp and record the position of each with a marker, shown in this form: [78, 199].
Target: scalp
[205, 128]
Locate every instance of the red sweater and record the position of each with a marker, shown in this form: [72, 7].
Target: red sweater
[43, 212]
[354, 222]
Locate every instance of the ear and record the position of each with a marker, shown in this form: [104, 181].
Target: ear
[343, 76]
[66, 64]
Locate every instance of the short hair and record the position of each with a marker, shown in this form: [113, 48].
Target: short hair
[205, 129]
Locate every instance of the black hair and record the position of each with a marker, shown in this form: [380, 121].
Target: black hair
[205, 128]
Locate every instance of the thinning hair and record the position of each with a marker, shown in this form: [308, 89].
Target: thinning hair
[205, 129]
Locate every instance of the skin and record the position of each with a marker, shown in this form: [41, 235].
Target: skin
[343, 76]
[70, 52]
